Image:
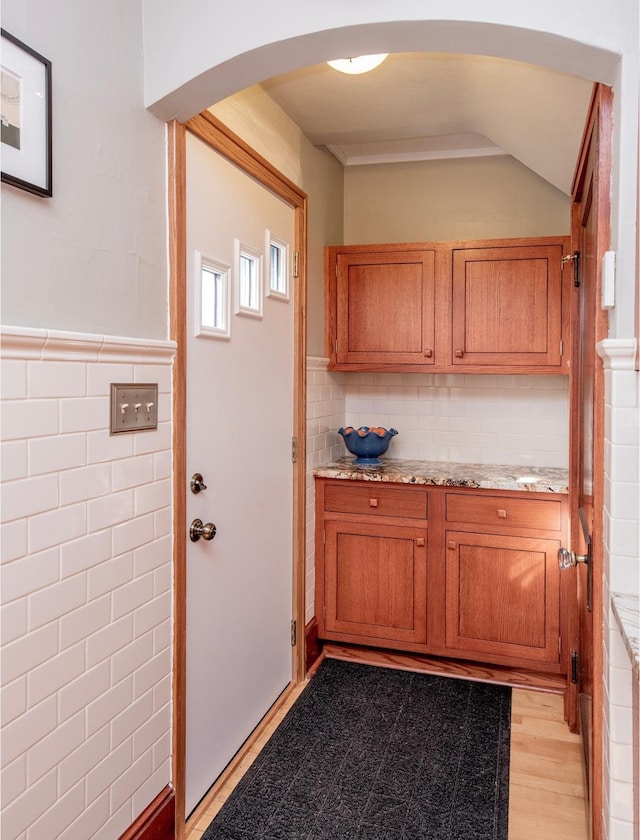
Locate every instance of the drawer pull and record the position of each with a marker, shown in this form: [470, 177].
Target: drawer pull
[373, 503]
[420, 542]
[502, 514]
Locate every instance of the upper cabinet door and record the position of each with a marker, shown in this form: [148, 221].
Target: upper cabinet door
[385, 308]
[507, 307]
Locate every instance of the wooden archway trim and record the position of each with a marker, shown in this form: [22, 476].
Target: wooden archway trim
[221, 139]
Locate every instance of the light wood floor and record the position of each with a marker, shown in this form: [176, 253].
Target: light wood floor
[546, 792]
[546, 796]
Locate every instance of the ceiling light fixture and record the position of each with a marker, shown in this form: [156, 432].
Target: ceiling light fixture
[358, 64]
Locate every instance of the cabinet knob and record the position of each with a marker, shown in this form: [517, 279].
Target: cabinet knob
[459, 354]
[420, 542]
[502, 514]
[428, 352]
[451, 545]
[373, 503]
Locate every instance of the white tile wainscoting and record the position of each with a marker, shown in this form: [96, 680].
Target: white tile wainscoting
[623, 698]
[325, 415]
[86, 587]
[621, 557]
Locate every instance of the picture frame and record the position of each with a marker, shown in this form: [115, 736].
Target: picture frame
[25, 121]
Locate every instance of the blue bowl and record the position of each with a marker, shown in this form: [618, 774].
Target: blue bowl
[367, 443]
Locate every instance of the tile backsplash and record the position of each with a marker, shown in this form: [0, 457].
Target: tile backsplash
[463, 418]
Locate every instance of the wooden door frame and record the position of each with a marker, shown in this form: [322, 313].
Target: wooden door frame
[600, 113]
[219, 138]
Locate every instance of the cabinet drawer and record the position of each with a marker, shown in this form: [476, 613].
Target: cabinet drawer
[506, 511]
[408, 503]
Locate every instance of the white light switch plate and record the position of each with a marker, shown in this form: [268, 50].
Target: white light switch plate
[134, 407]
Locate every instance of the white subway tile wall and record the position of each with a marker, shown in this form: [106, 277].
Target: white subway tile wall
[325, 415]
[621, 574]
[86, 588]
[520, 420]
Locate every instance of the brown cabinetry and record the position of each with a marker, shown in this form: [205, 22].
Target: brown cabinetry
[371, 565]
[503, 596]
[385, 308]
[477, 580]
[375, 582]
[507, 306]
[491, 306]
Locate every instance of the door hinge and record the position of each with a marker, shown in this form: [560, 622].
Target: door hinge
[294, 450]
[336, 346]
[574, 666]
[294, 633]
[575, 258]
[559, 645]
[561, 348]
[324, 613]
[296, 263]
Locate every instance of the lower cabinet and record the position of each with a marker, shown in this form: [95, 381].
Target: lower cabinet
[502, 597]
[477, 580]
[375, 582]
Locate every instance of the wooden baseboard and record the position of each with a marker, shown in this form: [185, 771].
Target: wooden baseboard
[313, 645]
[157, 821]
[514, 677]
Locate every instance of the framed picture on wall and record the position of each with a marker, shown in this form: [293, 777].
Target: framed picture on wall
[25, 85]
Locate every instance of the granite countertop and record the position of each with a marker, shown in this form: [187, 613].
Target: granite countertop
[626, 609]
[448, 474]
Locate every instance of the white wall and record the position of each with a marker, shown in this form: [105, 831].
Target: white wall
[253, 43]
[473, 198]
[93, 257]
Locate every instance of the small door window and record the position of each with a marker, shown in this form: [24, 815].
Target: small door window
[278, 268]
[248, 281]
[212, 298]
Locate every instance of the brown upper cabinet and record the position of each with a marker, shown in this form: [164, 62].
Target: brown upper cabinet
[490, 306]
[385, 312]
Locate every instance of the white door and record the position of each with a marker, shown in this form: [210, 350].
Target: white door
[239, 430]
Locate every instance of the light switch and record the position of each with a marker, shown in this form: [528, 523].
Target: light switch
[134, 407]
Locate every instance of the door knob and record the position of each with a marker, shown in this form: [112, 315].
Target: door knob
[196, 483]
[567, 559]
[199, 529]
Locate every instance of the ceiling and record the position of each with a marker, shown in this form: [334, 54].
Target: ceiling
[421, 106]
